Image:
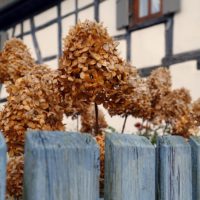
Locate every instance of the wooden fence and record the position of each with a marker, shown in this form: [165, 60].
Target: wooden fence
[60, 166]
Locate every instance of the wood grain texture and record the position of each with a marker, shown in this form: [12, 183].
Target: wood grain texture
[3, 150]
[174, 168]
[195, 147]
[61, 166]
[129, 168]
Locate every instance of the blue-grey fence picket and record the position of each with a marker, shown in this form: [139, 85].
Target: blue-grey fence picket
[65, 166]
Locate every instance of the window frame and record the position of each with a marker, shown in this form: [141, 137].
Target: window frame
[135, 19]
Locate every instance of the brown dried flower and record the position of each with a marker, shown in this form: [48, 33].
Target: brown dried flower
[33, 102]
[15, 169]
[130, 98]
[101, 142]
[159, 82]
[90, 64]
[196, 111]
[175, 109]
[15, 61]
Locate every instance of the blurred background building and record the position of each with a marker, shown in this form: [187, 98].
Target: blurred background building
[151, 33]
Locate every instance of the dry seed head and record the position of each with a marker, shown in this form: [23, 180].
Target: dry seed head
[90, 63]
[15, 61]
[15, 169]
[34, 102]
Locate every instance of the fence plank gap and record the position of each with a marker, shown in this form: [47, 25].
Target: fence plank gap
[195, 147]
[174, 168]
[3, 150]
[60, 166]
[129, 168]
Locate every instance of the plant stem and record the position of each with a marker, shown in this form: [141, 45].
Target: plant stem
[97, 117]
[140, 130]
[124, 124]
[77, 125]
[165, 128]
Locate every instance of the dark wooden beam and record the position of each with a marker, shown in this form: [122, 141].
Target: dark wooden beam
[181, 57]
[169, 25]
[146, 71]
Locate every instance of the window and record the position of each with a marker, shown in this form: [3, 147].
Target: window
[131, 13]
[143, 10]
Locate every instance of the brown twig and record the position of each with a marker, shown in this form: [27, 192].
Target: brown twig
[165, 128]
[97, 117]
[77, 125]
[124, 124]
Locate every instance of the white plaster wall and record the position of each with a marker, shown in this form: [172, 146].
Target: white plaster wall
[18, 29]
[108, 14]
[9, 32]
[53, 64]
[48, 40]
[67, 6]
[28, 40]
[187, 27]
[27, 25]
[86, 14]
[3, 92]
[84, 3]
[148, 46]
[186, 75]
[45, 16]
[122, 48]
[67, 23]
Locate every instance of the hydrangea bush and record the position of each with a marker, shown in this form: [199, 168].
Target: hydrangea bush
[90, 73]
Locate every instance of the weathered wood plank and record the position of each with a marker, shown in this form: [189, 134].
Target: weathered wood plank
[129, 168]
[61, 166]
[174, 168]
[3, 150]
[195, 147]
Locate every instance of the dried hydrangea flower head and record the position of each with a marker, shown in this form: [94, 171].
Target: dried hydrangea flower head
[15, 60]
[3, 70]
[196, 111]
[175, 108]
[33, 102]
[90, 63]
[132, 98]
[88, 122]
[101, 142]
[14, 185]
[159, 83]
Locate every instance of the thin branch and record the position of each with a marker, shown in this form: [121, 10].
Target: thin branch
[165, 128]
[124, 124]
[77, 125]
[142, 125]
[97, 117]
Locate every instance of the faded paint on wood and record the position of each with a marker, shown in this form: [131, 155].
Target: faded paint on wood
[61, 166]
[174, 168]
[195, 147]
[3, 151]
[129, 168]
